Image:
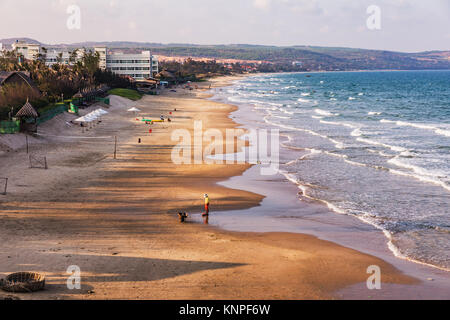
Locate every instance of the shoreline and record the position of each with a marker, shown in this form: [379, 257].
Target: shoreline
[410, 266]
[117, 220]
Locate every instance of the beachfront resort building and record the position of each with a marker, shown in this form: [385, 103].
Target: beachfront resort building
[29, 51]
[138, 66]
[54, 56]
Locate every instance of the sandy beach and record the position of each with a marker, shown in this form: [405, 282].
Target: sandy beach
[117, 218]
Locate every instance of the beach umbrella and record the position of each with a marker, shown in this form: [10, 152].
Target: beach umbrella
[101, 111]
[80, 119]
[134, 109]
[90, 116]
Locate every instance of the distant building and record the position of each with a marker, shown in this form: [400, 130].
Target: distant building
[1, 47]
[297, 63]
[102, 52]
[29, 51]
[63, 57]
[138, 66]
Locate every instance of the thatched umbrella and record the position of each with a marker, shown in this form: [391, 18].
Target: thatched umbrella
[27, 111]
[78, 97]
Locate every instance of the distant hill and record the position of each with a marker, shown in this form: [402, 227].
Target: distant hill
[308, 57]
[10, 41]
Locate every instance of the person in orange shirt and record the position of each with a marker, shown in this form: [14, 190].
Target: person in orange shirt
[206, 213]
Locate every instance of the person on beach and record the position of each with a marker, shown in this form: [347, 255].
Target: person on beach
[205, 215]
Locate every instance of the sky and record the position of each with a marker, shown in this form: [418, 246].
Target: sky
[405, 25]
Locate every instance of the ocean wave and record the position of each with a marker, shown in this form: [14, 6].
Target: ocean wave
[363, 216]
[305, 94]
[437, 130]
[356, 133]
[377, 143]
[419, 173]
[337, 144]
[342, 124]
[325, 113]
[280, 117]
[374, 113]
[286, 111]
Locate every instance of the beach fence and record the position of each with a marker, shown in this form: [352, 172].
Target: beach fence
[3, 185]
[38, 162]
[50, 114]
[104, 100]
[9, 126]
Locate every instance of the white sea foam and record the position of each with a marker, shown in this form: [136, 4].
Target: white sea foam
[374, 113]
[280, 117]
[419, 173]
[342, 124]
[356, 133]
[337, 144]
[325, 113]
[286, 111]
[305, 94]
[437, 130]
[351, 98]
[376, 143]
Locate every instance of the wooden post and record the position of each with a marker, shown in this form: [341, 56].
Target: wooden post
[6, 186]
[45, 161]
[115, 147]
[26, 139]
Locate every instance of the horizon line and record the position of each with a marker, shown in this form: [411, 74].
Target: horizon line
[222, 44]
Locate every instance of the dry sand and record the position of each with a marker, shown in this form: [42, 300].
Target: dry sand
[117, 221]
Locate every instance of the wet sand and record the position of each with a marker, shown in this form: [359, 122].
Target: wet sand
[117, 218]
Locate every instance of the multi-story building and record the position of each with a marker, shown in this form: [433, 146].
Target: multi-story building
[139, 66]
[63, 57]
[29, 51]
[102, 52]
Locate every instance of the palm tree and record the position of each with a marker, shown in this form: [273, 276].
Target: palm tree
[59, 58]
[73, 56]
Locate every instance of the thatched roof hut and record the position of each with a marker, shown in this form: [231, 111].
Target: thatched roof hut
[27, 111]
[17, 77]
[78, 95]
[166, 75]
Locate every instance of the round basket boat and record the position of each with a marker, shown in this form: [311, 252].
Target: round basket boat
[23, 282]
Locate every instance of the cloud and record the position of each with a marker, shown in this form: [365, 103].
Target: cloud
[262, 4]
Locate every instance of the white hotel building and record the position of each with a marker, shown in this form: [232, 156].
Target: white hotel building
[29, 51]
[139, 66]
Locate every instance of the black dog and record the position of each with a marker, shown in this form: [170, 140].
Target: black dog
[183, 216]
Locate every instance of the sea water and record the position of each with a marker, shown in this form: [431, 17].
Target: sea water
[375, 145]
